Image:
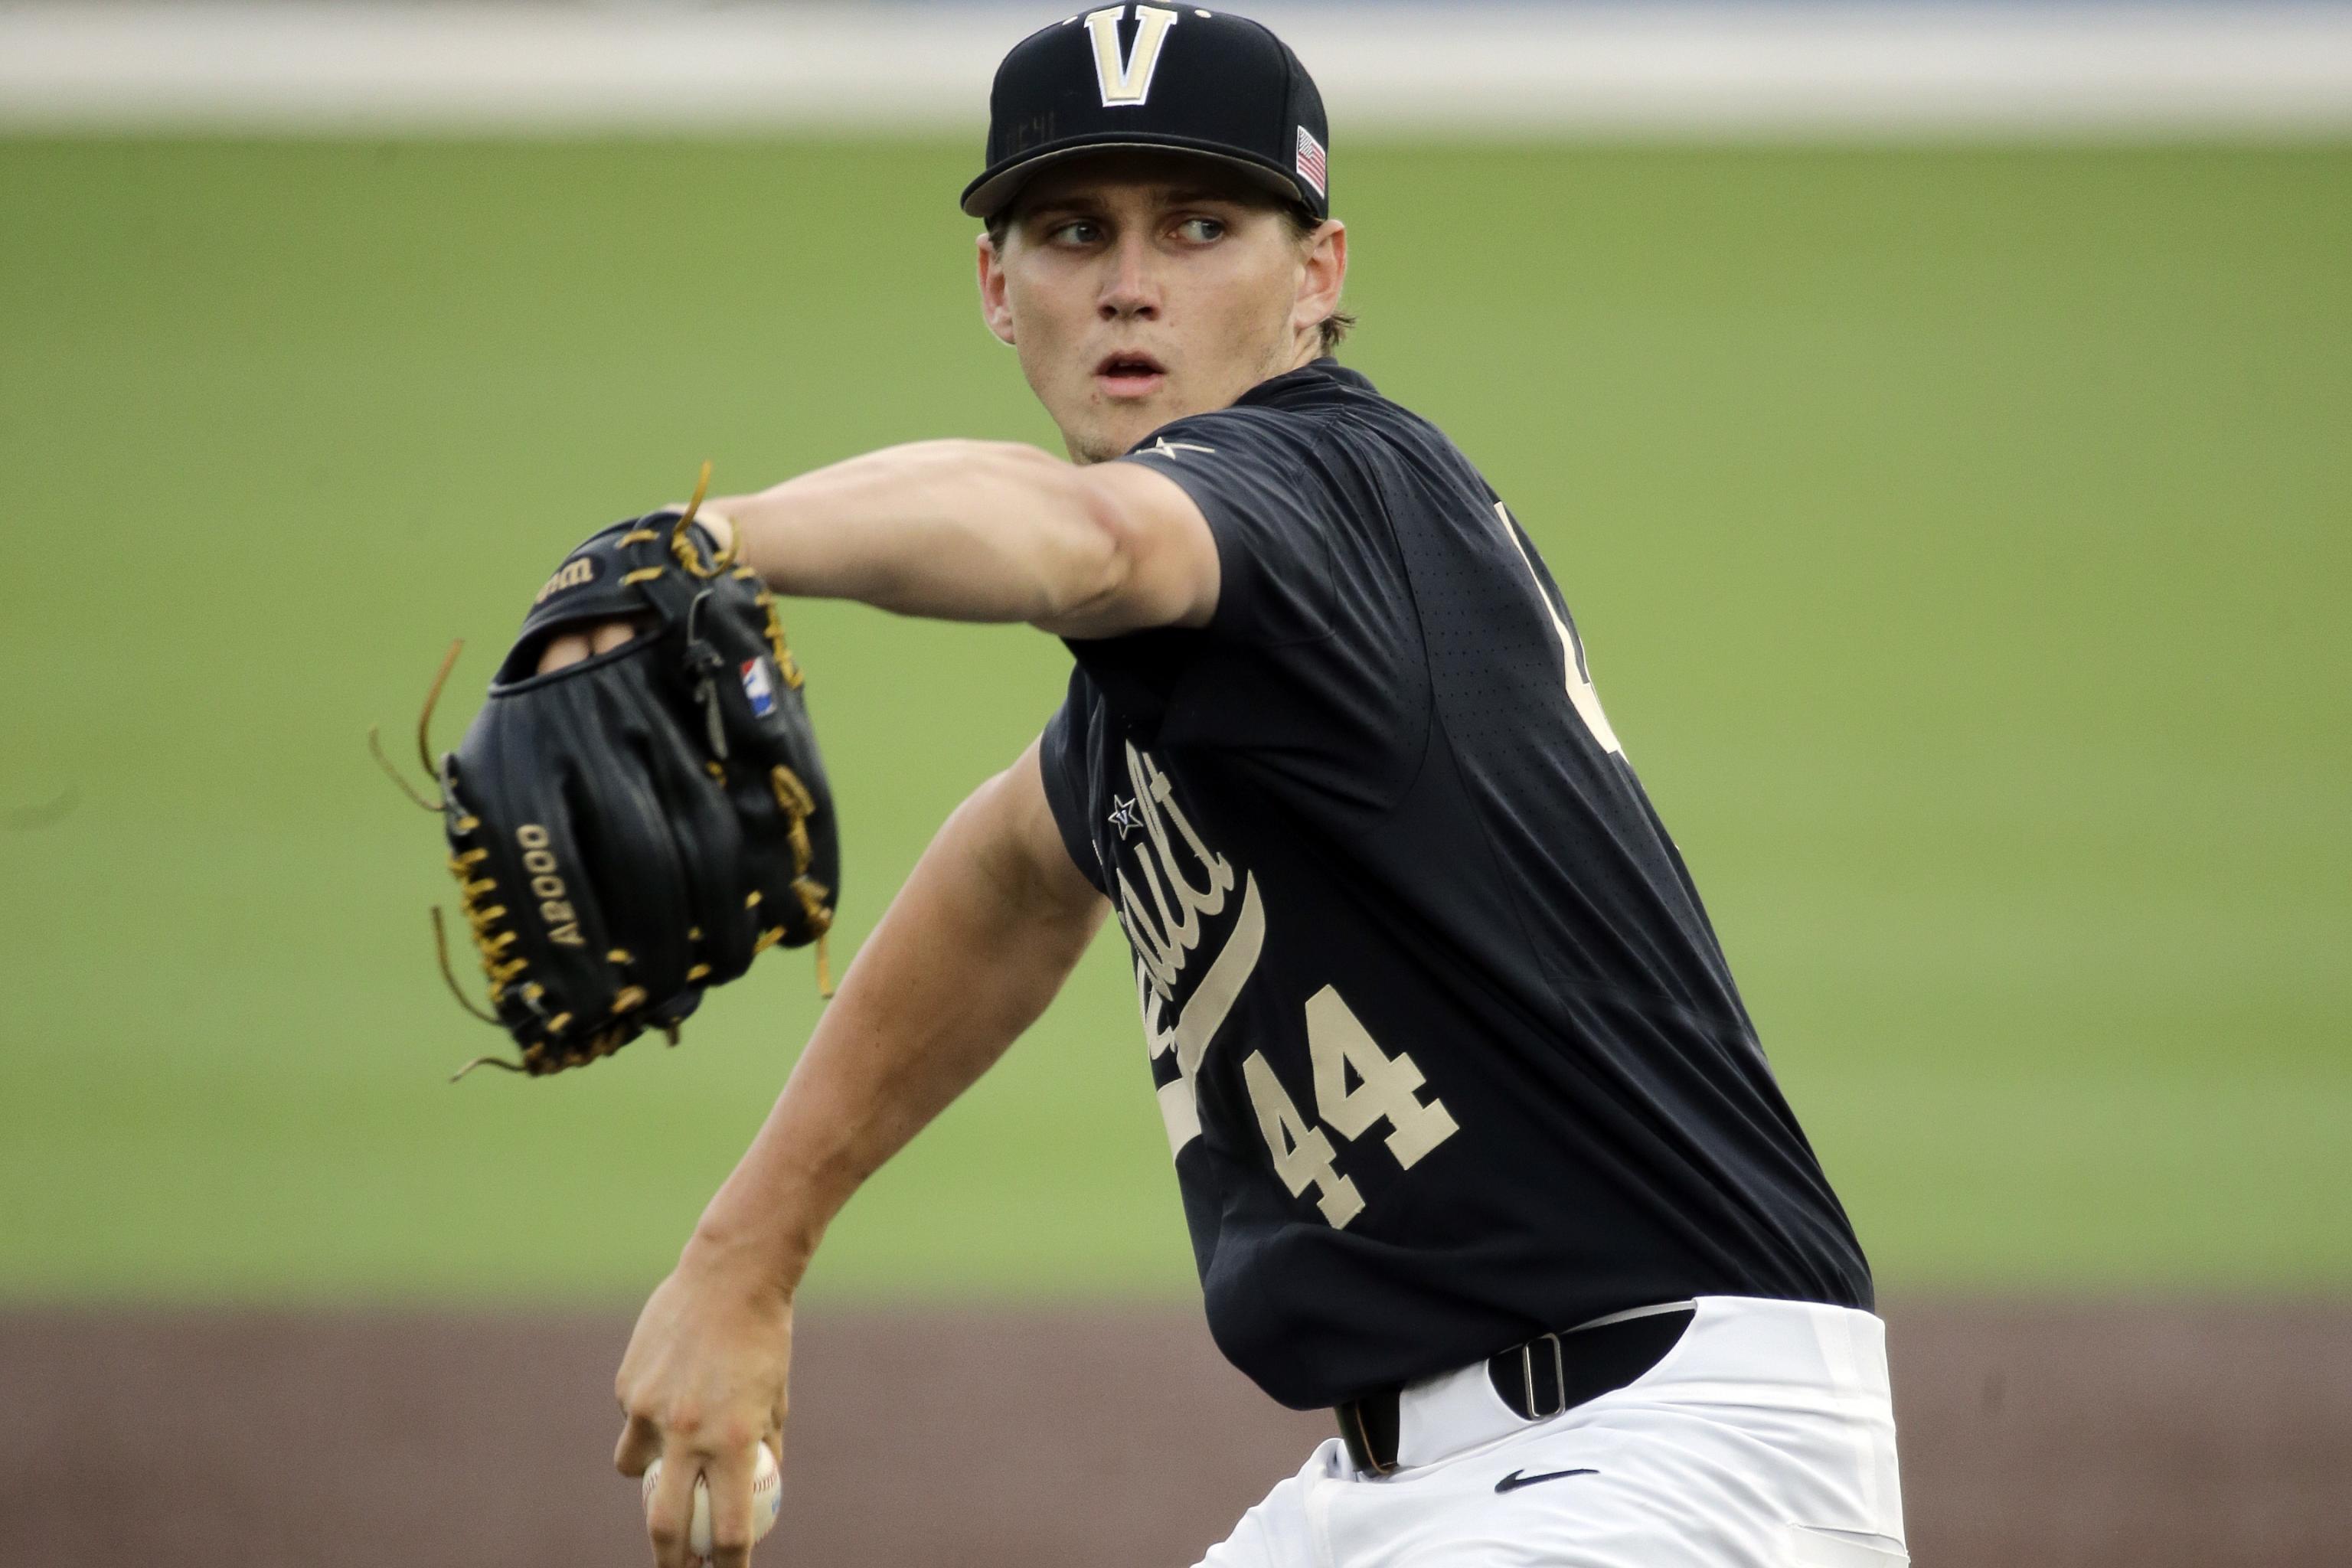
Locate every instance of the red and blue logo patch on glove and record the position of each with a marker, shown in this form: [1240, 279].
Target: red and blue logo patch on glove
[757, 688]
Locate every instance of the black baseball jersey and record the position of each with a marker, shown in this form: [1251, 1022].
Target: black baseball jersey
[1446, 1049]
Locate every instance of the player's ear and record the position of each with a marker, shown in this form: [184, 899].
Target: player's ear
[994, 307]
[1323, 274]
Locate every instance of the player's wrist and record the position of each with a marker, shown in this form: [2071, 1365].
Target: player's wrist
[716, 518]
[767, 1261]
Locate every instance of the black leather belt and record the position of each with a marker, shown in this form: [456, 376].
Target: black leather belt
[1545, 1377]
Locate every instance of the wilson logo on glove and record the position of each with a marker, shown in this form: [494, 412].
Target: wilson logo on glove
[571, 575]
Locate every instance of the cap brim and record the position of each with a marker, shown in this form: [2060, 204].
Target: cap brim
[996, 189]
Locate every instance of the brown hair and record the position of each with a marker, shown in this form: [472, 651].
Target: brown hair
[1333, 329]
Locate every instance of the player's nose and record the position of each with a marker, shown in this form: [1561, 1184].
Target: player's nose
[1130, 288]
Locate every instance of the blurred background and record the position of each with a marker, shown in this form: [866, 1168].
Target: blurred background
[1939, 417]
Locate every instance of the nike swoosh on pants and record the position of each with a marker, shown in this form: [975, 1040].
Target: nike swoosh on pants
[1519, 1479]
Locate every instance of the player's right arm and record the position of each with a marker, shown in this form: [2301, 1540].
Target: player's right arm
[987, 531]
[970, 530]
[977, 942]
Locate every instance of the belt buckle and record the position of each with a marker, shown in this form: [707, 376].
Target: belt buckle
[1558, 1376]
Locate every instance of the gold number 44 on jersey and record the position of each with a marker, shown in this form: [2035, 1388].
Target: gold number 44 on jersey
[1386, 1089]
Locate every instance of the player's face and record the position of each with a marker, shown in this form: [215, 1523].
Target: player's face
[1139, 289]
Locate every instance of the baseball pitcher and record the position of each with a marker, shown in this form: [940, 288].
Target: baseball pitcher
[1477, 1145]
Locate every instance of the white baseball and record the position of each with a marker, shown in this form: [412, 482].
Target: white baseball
[767, 1501]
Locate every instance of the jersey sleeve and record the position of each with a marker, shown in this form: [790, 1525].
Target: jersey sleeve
[1271, 500]
[1062, 759]
[1312, 662]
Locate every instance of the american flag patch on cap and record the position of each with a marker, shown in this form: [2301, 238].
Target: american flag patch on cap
[1312, 166]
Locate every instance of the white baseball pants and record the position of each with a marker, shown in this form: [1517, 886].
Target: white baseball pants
[1764, 1439]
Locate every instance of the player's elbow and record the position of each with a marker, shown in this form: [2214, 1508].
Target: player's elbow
[1118, 576]
[1088, 565]
[1004, 861]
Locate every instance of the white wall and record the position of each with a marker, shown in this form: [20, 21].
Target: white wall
[1849, 69]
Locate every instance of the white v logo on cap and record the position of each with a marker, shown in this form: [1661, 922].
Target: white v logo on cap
[1127, 83]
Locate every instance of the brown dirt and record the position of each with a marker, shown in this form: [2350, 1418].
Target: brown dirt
[2216, 1435]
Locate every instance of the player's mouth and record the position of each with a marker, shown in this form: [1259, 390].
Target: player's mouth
[1127, 374]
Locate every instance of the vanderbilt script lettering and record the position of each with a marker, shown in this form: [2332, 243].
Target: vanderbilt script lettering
[1167, 924]
[1165, 933]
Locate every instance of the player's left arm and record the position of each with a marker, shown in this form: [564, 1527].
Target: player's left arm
[976, 531]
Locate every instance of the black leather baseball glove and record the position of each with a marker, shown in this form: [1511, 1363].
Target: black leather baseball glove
[633, 829]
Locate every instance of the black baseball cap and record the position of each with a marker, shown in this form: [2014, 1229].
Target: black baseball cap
[1175, 78]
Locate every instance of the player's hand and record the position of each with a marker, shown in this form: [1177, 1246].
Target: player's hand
[571, 647]
[702, 1381]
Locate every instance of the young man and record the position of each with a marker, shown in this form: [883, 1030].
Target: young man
[1477, 1142]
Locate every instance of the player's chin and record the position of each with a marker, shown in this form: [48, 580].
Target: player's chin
[1120, 426]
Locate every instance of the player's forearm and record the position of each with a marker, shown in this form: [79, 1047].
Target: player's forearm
[966, 958]
[954, 530]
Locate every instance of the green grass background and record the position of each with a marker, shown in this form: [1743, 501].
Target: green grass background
[1963, 539]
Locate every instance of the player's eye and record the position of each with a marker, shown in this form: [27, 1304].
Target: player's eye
[1078, 231]
[1202, 230]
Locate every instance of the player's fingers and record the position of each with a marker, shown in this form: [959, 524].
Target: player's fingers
[611, 635]
[564, 647]
[640, 1442]
[669, 1511]
[729, 1476]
